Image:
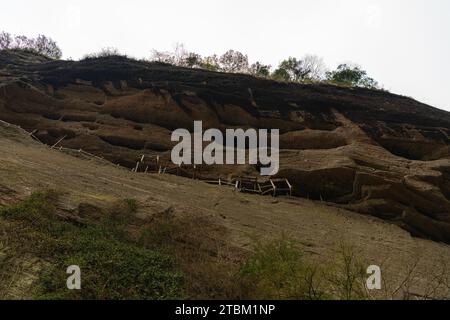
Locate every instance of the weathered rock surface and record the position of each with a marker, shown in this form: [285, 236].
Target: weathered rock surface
[370, 151]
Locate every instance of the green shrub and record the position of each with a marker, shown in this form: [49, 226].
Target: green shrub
[278, 269]
[346, 276]
[352, 76]
[113, 265]
[111, 269]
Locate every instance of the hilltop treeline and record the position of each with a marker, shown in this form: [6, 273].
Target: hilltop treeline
[309, 68]
[41, 44]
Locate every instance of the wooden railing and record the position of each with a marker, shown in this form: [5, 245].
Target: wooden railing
[154, 164]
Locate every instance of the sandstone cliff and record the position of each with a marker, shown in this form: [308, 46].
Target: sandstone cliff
[370, 151]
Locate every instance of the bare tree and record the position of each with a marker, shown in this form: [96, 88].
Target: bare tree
[178, 57]
[42, 44]
[193, 60]
[47, 47]
[310, 67]
[162, 56]
[315, 66]
[6, 40]
[179, 54]
[234, 61]
[22, 42]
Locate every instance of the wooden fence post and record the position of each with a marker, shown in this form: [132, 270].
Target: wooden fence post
[274, 188]
[58, 142]
[290, 187]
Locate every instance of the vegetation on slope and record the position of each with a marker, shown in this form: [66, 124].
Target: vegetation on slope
[306, 69]
[169, 257]
[113, 265]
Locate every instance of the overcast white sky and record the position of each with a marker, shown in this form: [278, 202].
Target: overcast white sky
[404, 44]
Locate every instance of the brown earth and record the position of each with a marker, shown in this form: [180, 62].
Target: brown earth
[228, 217]
[368, 151]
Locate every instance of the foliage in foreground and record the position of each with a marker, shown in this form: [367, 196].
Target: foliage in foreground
[113, 265]
[309, 68]
[274, 269]
[41, 44]
[172, 256]
[278, 269]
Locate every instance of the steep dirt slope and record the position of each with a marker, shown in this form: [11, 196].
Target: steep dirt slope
[26, 166]
[370, 151]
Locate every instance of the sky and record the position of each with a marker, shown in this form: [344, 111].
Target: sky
[403, 44]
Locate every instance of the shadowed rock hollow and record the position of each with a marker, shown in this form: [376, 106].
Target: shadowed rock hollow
[370, 151]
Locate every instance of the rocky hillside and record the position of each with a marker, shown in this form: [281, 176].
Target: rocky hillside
[56, 209]
[369, 151]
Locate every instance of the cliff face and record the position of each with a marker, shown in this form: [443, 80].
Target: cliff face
[370, 151]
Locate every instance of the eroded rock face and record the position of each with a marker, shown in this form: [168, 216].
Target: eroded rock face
[370, 151]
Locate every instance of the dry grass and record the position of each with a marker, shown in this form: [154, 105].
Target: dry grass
[209, 265]
[125, 257]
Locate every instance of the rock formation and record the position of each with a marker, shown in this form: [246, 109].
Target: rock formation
[370, 151]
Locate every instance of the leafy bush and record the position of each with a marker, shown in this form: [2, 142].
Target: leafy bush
[260, 70]
[278, 270]
[351, 76]
[234, 61]
[112, 268]
[104, 53]
[308, 68]
[113, 265]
